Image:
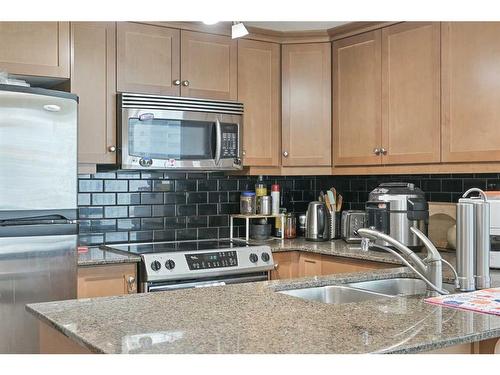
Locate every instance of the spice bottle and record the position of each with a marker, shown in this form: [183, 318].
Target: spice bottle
[260, 191]
[275, 197]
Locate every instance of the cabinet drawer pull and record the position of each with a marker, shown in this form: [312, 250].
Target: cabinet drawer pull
[131, 284]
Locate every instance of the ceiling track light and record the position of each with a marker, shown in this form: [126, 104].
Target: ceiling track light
[238, 30]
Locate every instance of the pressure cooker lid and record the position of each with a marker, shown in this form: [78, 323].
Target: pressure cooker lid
[396, 188]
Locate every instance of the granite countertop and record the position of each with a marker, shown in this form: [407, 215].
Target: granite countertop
[253, 318]
[93, 256]
[339, 248]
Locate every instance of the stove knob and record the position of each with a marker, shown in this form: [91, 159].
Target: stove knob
[155, 266]
[265, 257]
[254, 258]
[169, 264]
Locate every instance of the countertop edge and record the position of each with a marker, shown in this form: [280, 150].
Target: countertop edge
[67, 333]
[427, 347]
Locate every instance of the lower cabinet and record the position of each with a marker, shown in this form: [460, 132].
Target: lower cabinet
[286, 265]
[52, 341]
[107, 280]
[292, 264]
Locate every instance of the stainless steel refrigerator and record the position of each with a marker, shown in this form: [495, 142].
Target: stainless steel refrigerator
[38, 207]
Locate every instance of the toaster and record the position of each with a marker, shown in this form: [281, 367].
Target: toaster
[352, 220]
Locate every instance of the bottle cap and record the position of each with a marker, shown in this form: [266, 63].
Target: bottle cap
[275, 187]
[248, 193]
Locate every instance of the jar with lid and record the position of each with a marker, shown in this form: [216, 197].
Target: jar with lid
[264, 205]
[290, 225]
[247, 203]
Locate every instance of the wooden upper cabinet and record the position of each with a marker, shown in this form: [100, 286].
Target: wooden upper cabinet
[93, 64]
[148, 59]
[357, 118]
[208, 66]
[259, 90]
[306, 104]
[471, 91]
[411, 97]
[35, 48]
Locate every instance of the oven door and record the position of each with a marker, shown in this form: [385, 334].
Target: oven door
[178, 140]
[217, 281]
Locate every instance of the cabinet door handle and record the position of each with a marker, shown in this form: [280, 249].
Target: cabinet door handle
[383, 151]
[130, 284]
[376, 151]
[244, 153]
[276, 265]
[285, 154]
[177, 82]
[185, 83]
[112, 148]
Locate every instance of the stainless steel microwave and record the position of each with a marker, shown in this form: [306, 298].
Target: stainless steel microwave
[175, 133]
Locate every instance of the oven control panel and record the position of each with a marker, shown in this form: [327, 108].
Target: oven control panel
[180, 265]
[203, 261]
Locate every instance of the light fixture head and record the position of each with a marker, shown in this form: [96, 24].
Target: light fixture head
[210, 22]
[238, 30]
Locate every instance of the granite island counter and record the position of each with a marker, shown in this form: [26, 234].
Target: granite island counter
[254, 318]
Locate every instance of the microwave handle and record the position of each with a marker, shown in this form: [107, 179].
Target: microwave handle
[218, 141]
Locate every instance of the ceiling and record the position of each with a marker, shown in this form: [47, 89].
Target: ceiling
[294, 25]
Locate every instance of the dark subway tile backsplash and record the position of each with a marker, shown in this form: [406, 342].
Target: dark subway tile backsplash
[122, 206]
[437, 187]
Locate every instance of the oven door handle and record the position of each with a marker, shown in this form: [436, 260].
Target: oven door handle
[200, 284]
[218, 141]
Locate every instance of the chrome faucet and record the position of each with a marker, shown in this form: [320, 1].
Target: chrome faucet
[430, 269]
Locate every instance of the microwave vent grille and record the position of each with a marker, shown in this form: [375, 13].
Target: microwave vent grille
[175, 103]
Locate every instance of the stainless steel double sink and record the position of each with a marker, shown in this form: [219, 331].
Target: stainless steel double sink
[363, 290]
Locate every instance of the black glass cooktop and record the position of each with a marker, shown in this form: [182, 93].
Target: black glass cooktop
[163, 247]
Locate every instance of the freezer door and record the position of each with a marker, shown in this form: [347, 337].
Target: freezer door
[38, 151]
[32, 269]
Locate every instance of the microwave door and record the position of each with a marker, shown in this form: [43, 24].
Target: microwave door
[164, 140]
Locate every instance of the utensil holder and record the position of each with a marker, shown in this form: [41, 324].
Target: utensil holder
[334, 225]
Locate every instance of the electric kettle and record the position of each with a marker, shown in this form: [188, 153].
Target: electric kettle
[317, 219]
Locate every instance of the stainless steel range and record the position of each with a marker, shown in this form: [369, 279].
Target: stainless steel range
[192, 264]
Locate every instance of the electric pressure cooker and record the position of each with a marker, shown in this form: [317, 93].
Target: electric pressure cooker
[393, 208]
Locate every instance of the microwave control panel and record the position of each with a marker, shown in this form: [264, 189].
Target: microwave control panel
[229, 140]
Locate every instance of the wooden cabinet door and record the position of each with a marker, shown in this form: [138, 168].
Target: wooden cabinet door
[411, 97]
[471, 92]
[107, 280]
[286, 265]
[310, 265]
[93, 79]
[35, 48]
[332, 265]
[148, 59]
[208, 66]
[306, 109]
[357, 117]
[259, 90]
